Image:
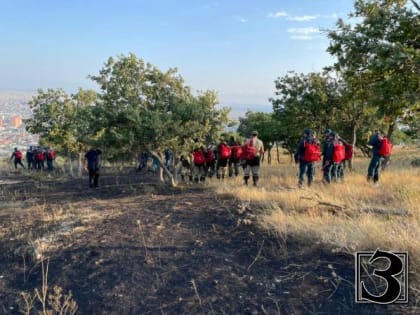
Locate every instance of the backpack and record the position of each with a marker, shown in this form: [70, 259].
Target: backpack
[225, 151]
[198, 157]
[40, 156]
[18, 155]
[339, 153]
[312, 152]
[236, 152]
[209, 155]
[385, 148]
[249, 152]
[51, 155]
[349, 151]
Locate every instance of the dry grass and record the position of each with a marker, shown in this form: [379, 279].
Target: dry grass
[350, 216]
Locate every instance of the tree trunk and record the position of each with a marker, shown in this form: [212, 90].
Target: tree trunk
[79, 164]
[415, 4]
[354, 136]
[278, 152]
[391, 129]
[70, 163]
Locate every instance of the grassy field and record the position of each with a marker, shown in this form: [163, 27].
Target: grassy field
[348, 216]
[135, 246]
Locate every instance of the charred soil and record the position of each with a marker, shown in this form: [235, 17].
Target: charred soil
[135, 246]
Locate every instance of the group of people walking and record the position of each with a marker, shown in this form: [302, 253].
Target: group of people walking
[222, 160]
[37, 158]
[226, 158]
[335, 153]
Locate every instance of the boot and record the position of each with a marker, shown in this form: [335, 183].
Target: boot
[246, 177]
[369, 178]
[375, 178]
[255, 180]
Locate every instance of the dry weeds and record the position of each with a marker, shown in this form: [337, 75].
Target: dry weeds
[349, 216]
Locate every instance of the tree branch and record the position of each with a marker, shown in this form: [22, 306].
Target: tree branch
[415, 4]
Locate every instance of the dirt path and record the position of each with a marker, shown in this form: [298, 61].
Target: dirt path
[133, 246]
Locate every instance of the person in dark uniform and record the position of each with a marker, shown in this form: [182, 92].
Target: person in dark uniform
[93, 166]
[17, 155]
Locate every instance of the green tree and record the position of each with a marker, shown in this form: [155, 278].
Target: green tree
[382, 52]
[142, 107]
[305, 101]
[62, 120]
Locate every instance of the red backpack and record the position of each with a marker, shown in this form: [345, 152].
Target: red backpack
[51, 155]
[209, 155]
[312, 152]
[198, 157]
[349, 151]
[339, 153]
[40, 156]
[249, 152]
[225, 151]
[18, 155]
[385, 148]
[236, 152]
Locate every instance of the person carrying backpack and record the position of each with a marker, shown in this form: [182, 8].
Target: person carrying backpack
[93, 166]
[327, 161]
[252, 151]
[307, 154]
[39, 158]
[210, 160]
[30, 157]
[50, 155]
[235, 158]
[223, 153]
[381, 148]
[183, 168]
[199, 165]
[338, 157]
[17, 156]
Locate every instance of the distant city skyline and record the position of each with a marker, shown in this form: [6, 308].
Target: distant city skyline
[237, 48]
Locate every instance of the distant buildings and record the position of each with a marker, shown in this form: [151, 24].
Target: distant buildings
[13, 109]
[16, 121]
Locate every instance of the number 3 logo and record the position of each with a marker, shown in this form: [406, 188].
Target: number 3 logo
[392, 275]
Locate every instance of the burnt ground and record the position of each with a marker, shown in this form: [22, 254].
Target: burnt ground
[134, 246]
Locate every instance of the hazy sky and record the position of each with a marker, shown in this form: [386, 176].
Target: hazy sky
[236, 47]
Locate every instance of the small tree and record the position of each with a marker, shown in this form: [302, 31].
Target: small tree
[142, 107]
[62, 120]
[304, 101]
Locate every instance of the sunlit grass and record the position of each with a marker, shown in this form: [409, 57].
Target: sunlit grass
[349, 216]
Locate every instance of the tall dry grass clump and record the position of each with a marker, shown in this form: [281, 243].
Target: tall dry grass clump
[350, 216]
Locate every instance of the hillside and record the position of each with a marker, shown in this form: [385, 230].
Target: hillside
[134, 246]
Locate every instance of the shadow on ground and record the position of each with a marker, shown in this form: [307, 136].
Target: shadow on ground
[163, 250]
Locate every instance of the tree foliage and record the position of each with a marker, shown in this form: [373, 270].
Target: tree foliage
[382, 52]
[143, 107]
[304, 101]
[61, 120]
